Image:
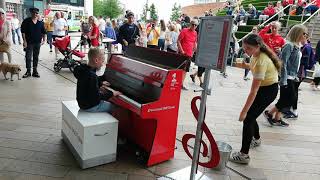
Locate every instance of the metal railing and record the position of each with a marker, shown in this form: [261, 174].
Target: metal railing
[268, 20]
[317, 13]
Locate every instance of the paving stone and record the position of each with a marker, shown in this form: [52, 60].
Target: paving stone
[37, 168]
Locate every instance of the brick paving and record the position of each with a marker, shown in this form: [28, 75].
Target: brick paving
[31, 145]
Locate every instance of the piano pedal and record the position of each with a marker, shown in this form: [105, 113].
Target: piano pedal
[142, 157]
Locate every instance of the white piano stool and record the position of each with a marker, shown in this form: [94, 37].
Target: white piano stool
[91, 137]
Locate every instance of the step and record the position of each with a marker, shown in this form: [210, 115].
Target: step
[247, 28]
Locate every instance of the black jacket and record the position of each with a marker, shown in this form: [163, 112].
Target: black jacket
[129, 33]
[88, 85]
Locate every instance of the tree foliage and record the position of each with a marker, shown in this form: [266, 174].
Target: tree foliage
[153, 12]
[110, 8]
[176, 12]
[145, 12]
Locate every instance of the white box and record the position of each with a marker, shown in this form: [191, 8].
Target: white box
[91, 137]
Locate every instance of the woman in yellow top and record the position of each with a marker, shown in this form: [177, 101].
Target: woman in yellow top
[153, 36]
[49, 28]
[265, 67]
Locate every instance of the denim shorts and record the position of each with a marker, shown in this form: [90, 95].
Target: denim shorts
[103, 106]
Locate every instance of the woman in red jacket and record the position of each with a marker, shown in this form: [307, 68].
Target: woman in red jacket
[94, 34]
[274, 40]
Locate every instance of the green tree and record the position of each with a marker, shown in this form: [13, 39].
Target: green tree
[176, 12]
[109, 8]
[145, 12]
[153, 12]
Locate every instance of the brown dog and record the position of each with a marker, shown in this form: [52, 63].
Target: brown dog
[12, 68]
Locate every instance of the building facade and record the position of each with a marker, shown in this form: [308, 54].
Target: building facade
[21, 7]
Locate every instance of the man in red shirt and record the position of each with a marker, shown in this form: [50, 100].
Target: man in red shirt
[274, 40]
[187, 42]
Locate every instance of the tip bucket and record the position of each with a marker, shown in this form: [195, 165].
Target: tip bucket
[224, 151]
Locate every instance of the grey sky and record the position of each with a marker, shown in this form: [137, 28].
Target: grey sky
[163, 6]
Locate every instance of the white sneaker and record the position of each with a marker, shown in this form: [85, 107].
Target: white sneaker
[255, 143]
[239, 157]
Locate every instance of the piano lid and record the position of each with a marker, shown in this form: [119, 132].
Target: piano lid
[156, 57]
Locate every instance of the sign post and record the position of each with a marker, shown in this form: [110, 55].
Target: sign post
[213, 48]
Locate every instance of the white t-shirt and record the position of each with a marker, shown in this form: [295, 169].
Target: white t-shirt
[102, 25]
[15, 23]
[58, 27]
[178, 26]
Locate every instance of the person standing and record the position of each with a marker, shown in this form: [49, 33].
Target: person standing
[5, 36]
[94, 34]
[60, 27]
[102, 24]
[153, 33]
[265, 66]
[128, 32]
[33, 34]
[274, 40]
[162, 37]
[15, 25]
[187, 44]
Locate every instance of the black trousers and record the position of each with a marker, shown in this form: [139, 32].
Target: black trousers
[296, 91]
[288, 95]
[32, 50]
[265, 96]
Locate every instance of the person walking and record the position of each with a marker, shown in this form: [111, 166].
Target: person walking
[60, 27]
[290, 57]
[265, 66]
[5, 36]
[15, 25]
[49, 29]
[187, 44]
[33, 34]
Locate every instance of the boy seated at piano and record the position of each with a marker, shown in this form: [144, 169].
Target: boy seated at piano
[92, 90]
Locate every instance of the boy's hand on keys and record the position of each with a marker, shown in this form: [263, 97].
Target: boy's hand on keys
[116, 93]
[105, 83]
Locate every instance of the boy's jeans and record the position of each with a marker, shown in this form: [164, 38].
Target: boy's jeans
[103, 106]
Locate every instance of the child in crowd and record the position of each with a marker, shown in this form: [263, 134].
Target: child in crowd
[92, 91]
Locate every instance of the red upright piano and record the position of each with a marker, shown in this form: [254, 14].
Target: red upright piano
[151, 82]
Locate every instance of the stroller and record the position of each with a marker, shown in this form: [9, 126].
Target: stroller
[67, 62]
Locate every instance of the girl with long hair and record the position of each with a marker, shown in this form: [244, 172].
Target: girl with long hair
[265, 67]
[162, 37]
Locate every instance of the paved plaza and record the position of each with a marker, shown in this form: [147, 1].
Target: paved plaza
[31, 146]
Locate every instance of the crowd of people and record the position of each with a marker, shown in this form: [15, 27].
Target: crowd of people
[299, 7]
[273, 60]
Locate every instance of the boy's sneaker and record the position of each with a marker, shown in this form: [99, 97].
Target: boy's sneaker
[255, 143]
[239, 157]
[290, 115]
[280, 123]
[268, 117]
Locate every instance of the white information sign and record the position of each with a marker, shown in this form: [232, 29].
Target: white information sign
[213, 42]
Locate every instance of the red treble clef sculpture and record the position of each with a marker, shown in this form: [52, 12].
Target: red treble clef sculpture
[215, 157]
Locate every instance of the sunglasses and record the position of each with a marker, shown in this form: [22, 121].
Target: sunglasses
[305, 34]
[194, 25]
